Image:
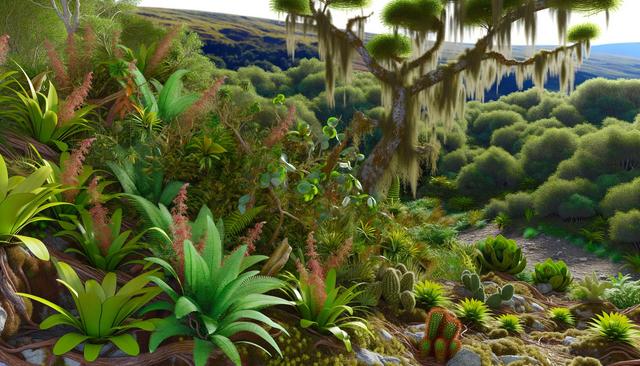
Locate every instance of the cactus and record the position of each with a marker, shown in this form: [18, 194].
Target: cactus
[472, 283]
[391, 287]
[408, 281]
[402, 268]
[442, 335]
[408, 300]
[500, 254]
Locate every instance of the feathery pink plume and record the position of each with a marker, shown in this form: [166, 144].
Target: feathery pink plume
[280, 130]
[316, 272]
[162, 49]
[100, 217]
[89, 45]
[202, 105]
[180, 228]
[4, 48]
[73, 63]
[341, 255]
[61, 75]
[75, 100]
[74, 168]
[253, 235]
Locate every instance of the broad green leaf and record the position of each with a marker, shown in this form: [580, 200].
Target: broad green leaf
[35, 246]
[228, 348]
[126, 343]
[68, 342]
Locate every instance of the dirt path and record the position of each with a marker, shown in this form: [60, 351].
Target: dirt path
[540, 248]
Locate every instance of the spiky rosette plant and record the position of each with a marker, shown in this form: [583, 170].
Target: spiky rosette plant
[511, 323]
[499, 254]
[555, 273]
[562, 316]
[430, 294]
[442, 335]
[615, 327]
[417, 83]
[473, 313]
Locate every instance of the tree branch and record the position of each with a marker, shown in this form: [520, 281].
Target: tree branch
[530, 61]
[435, 48]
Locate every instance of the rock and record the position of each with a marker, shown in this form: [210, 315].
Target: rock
[519, 299]
[3, 318]
[70, 362]
[537, 308]
[508, 359]
[368, 358]
[568, 340]
[35, 356]
[415, 336]
[583, 259]
[536, 325]
[465, 357]
[417, 327]
[544, 288]
[390, 360]
[386, 336]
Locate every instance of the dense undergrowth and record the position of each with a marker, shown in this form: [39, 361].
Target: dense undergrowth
[198, 215]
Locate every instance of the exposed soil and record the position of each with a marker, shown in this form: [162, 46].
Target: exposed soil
[538, 249]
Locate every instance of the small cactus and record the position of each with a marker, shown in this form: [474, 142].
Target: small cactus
[442, 335]
[504, 294]
[391, 287]
[408, 300]
[473, 284]
[408, 281]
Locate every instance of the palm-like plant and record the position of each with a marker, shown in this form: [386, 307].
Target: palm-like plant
[511, 323]
[562, 316]
[615, 327]
[430, 294]
[104, 313]
[473, 312]
[86, 235]
[333, 314]
[216, 297]
[37, 115]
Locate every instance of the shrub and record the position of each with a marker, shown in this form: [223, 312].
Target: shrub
[454, 161]
[624, 227]
[555, 273]
[509, 138]
[543, 109]
[436, 234]
[599, 98]
[492, 173]
[567, 114]
[525, 99]
[541, 155]
[515, 205]
[577, 207]
[621, 198]
[548, 198]
[511, 323]
[488, 122]
[430, 294]
[562, 316]
[460, 203]
[615, 327]
[624, 292]
[473, 313]
[584, 129]
[500, 254]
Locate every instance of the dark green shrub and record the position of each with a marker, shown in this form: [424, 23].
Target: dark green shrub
[543, 109]
[454, 161]
[584, 129]
[508, 138]
[621, 198]
[567, 114]
[553, 193]
[488, 122]
[577, 207]
[599, 98]
[460, 203]
[624, 227]
[492, 173]
[542, 154]
[435, 234]
[524, 99]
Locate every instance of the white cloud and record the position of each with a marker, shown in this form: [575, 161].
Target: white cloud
[622, 28]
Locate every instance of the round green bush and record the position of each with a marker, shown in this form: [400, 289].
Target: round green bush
[583, 32]
[548, 198]
[541, 154]
[624, 227]
[623, 197]
[494, 172]
[415, 15]
[599, 98]
[508, 137]
[567, 114]
[300, 7]
[488, 122]
[454, 161]
[389, 46]
[577, 207]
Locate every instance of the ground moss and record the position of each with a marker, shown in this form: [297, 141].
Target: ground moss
[584, 361]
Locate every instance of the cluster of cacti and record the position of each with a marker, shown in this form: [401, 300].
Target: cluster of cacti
[395, 286]
[500, 254]
[473, 284]
[442, 335]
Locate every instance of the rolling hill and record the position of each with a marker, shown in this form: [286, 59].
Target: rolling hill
[234, 41]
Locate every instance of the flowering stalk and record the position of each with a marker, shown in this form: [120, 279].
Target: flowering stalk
[338, 258]
[316, 275]
[180, 228]
[162, 49]
[100, 217]
[75, 100]
[280, 130]
[61, 75]
[74, 168]
[253, 235]
[4, 48]
[202, 105]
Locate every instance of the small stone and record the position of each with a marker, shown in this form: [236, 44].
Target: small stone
[465, 357]
[368, 358]
[417, 327]
[386, 336]
[536, 325]
[519, 299]
[390, 360]
[70, 362]
[415, 336]
[508, 359]
[35, 357]
[520, 309]
[568, 340]
[583, 259]
[3, 318]
[537, 308]
[544, 288]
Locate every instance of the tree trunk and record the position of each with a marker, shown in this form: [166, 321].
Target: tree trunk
[380, 158]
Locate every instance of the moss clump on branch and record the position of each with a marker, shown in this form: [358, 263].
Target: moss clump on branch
[389, 47]
[349, 4]
[298, 7]
[414, 15]
[583, 32]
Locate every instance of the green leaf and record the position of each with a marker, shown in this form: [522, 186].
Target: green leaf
[201, 351]
[228, 348]
[184, 307]
[68, 342]
[167, 328]
[92, 351]
[34, 245]
[126, 343]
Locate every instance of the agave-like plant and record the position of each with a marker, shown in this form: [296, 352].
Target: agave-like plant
[473, 312]
[104, 313]
[555, 273]
[511, 323]
[86, 235]
[216, 297]
[500, 254]
[430, 294]
[22, 201]
[562, 316]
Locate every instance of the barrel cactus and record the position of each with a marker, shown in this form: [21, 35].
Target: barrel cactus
[499, 254]
[442, 335]
[396, 287]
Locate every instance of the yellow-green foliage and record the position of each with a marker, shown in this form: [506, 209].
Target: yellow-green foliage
[584, 361]
[583, 32]
[507, 346]
[298, 350]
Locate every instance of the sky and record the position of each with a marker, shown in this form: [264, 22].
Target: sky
[623, 26]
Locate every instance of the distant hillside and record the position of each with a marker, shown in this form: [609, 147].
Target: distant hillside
[235, 41]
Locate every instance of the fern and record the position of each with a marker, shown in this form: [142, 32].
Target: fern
[237, 222]
[393, 196]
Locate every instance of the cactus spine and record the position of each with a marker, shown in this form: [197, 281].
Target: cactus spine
[442, 335]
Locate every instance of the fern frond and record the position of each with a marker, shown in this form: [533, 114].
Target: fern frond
[237, 222]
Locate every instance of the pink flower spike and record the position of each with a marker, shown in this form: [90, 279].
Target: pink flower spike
[4, 48]
[74, 168]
